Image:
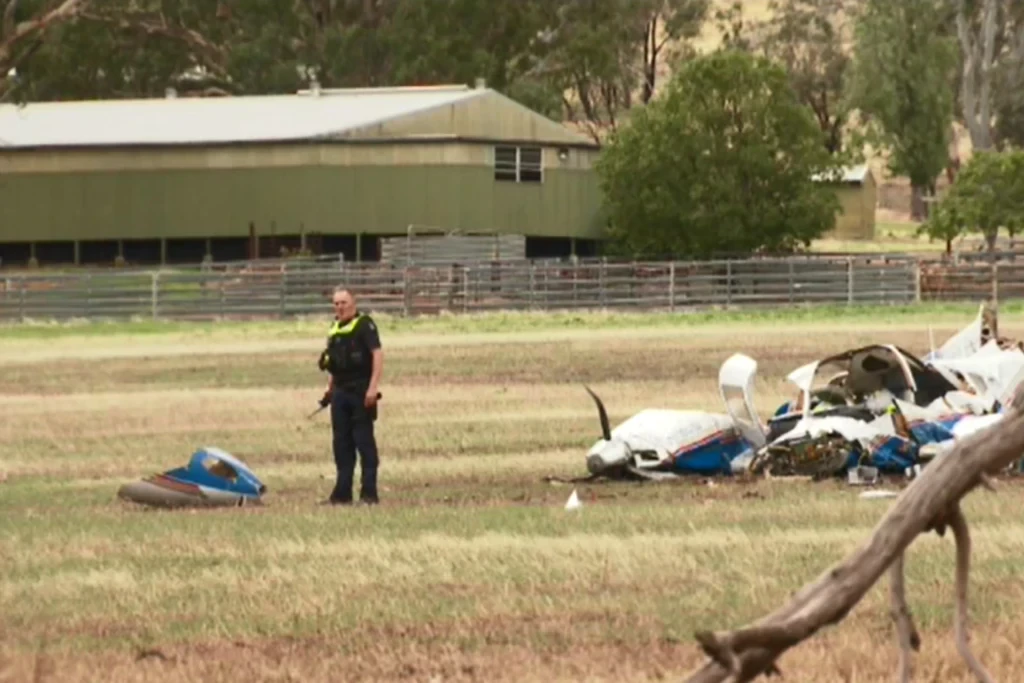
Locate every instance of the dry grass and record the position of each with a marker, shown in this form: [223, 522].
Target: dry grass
[470, 569]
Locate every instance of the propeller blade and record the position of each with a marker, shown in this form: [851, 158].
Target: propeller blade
[606, 430]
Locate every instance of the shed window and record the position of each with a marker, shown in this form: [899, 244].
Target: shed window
[518, 164]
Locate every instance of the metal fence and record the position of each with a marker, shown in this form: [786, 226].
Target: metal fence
[282, 289]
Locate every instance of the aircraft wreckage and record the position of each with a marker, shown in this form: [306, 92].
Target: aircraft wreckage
[212, 478]
[877, 406]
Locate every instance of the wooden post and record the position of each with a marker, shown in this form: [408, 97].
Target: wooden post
[672, 287]
[849, 282]
[995, 283]
[154, 296]
[917, 281]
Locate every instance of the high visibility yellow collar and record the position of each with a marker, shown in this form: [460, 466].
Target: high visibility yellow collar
[338, 328]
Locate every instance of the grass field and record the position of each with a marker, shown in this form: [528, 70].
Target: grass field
[470, 570]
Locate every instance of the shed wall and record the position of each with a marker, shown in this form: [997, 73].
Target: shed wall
[370, 198]
[857, 217]
[278, 156]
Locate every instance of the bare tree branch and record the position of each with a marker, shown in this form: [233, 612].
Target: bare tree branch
[958, 523]
[7, 26]
[212, 56]
[931, 502]
[909, 639]
[14, 36]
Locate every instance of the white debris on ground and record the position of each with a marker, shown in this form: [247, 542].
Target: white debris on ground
[879, 493]
[863, 413]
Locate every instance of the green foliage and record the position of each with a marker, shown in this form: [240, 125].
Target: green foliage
[589, 61]
[126, 48]
[1009, 99]
[900, 82]
[733, 29]
[724, 160]
[988, 195]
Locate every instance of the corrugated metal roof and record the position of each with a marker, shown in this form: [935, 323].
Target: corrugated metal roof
[211, 120]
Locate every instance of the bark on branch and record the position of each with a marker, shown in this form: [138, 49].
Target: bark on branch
[931, 502]
[979, 64]
[14, 36]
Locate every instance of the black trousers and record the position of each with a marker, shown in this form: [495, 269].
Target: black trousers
[352, 430]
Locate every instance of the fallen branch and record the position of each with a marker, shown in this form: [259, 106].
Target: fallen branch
[958, 523]
[931, 502]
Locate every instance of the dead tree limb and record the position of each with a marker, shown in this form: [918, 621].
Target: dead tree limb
[931, 502]
[14, 35]
[909, 639]
[958, 523]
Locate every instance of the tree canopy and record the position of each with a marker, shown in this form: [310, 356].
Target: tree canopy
[724, 160]
[900, 83]
[988, 195]
[903, 72]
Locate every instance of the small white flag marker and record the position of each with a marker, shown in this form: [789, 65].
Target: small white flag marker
[574, 501]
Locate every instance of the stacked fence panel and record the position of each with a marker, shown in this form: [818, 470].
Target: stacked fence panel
[946, 281]
[1009, 278]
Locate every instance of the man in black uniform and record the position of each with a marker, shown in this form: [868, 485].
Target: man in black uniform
[354, 359]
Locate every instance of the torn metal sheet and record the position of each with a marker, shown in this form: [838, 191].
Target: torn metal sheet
[877, 406]
[662, 441]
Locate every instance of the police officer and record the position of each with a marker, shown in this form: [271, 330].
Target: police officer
[354, 359]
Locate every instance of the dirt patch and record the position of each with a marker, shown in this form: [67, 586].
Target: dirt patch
[861, 649]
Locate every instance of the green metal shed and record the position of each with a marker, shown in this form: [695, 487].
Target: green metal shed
[332, 170]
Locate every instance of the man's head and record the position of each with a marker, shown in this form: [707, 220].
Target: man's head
[344, 304]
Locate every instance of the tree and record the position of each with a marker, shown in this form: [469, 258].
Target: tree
[899, 81]
[1009, 82]
[988, 195]
[806, 37]
[23, 29]
[460, 40]
[991, 38]
[606, 54]
[1009, 125]
[733, 29]
[724, 160]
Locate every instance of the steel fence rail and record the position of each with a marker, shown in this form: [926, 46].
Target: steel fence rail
[281, 289]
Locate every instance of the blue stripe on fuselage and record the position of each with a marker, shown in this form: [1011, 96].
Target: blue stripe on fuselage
[711, 455]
